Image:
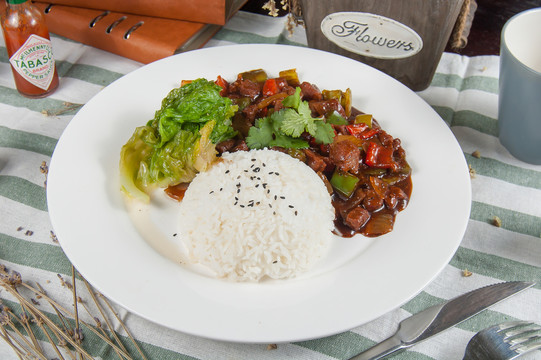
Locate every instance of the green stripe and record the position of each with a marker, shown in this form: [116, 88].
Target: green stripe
[446, 113]
[511, 220]
[494, 266]
[509, 173]
[23, 191]
[250, 38]
[46, 105]
[23, 140]
[476, 121]
[94, 345]
[340, 346]
[349, 344]
[88, 73]
[467, 118]
[483, 83]
[36, 255]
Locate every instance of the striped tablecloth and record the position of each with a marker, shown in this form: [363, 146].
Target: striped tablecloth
[464, 92]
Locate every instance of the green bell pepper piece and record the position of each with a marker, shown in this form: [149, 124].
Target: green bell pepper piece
[344, 182]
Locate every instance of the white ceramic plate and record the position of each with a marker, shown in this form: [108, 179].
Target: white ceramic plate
[362, 278]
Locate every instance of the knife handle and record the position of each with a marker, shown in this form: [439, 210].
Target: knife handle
[382, 349]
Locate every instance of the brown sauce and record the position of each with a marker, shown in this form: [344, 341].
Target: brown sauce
[371, 228]
[176, 192]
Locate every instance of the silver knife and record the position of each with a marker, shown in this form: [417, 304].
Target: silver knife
[438, 318]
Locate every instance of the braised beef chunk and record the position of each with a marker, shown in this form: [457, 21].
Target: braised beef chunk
[346, 155]
[284, 86]
[225, 146]
[310, 92]
[240, 146]
[395, 195]
[324, 107]
[315, 161]
[250, 112]
[249, 88]
[356, 218]
[385, 139]
[372, 201]
[343, 207]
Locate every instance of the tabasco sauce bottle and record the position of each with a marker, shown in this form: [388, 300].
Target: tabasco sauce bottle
[29, 49]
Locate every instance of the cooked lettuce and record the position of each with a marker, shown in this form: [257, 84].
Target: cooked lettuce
[179, 142]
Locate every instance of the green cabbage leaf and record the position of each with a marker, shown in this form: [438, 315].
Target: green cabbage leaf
[179, 141]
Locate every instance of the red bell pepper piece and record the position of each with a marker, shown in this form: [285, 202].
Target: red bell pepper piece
[270, 87]
[361, 131]
[380, 157]
[356, 129]
[220, 81]
[368, 133]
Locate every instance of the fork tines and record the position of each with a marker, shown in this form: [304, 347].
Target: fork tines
[522, 336]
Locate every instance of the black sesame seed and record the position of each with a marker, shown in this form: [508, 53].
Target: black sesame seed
[241, 206]
[270, 205]
[227, 171]
[277, 173]
[275, 262]
[252, 166]
[257, 169]
[291, 206]
[211, 192]
[282, 197]
[264, 164]
[175, 234]
[264, 185]
[236, 202]
[236, 198]
[221, 189]
[296, 212]
[272, 172]
[275, 197]
[256, 185]
[238, 185]
[253, 159]
[238, 191]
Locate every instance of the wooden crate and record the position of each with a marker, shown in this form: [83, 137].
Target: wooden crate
[403, 38]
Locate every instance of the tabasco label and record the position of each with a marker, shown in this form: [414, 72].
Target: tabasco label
[371, 35]
[34, 61]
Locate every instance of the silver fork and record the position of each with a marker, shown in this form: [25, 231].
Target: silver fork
[504, 342]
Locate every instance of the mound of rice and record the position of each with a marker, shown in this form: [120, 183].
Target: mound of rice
[257, 214]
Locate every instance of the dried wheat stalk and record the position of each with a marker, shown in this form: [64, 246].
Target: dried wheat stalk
[20, 328]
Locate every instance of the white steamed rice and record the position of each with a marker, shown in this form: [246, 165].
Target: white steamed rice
[257, 214]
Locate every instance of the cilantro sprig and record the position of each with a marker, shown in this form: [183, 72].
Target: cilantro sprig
[284, 127]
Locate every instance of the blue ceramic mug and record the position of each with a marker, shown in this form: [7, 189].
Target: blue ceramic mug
[519, 103]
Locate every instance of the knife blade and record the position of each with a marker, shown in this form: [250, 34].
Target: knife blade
[438, 318]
